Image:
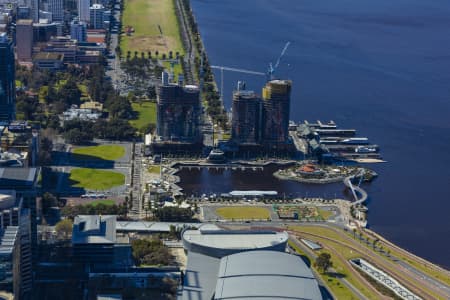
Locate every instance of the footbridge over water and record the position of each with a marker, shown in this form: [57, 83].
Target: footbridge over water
[359, 194]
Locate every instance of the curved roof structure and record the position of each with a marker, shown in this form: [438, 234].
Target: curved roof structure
[234, 239]
[265, 275]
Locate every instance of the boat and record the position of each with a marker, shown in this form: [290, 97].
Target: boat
[363, 149]
[356, 141]
[216, 156]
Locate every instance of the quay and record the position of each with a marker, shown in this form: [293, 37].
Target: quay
[219, 167]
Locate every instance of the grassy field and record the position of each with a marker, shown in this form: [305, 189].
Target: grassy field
[103, 201]
[325, 214]
[94, 179]
[177, 69]
[105, 152]
[155, 24]
[243, 212]
[339, 264]
[339, 290]
[154, 169]
[146, 113]
[345, 253]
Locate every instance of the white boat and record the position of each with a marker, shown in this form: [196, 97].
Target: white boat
[356, 141]
[362, 149]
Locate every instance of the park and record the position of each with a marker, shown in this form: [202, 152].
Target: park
[150, 25]
[95, 179]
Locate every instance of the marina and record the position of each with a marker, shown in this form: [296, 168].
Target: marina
[328, 142]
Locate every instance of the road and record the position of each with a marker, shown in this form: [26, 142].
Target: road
[137, 210]
[392, 266]
[314, 256]
[113, 70]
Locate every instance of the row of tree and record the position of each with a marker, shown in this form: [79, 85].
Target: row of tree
[72, 211]
[79, 132]
[150, 252]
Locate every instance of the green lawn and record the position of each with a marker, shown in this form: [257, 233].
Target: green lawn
[243, 212]
[95, 179]
[339, 290]
[105, 152]
[103, 201]
[147, 17]
[325, 214]
[146, 113]
[154, 169]
[177, 69]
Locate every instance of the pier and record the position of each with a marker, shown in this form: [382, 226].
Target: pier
[217, 167]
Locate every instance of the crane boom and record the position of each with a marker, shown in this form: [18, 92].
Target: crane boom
[222, 68]
[238, 70]
[282, 54]
[272, 68]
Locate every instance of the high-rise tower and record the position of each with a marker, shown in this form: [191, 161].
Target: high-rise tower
[56, 7]
[246, 117]
[78, 30]
[276, 97]
[7, 80]
[178, 112]
[83, 10]
[24, 39]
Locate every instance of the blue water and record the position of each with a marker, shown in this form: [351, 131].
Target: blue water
[381, 67]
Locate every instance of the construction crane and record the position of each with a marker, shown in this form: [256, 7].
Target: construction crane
[272, 69]
[270, 72]
[222, 68]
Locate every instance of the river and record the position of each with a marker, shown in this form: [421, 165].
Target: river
[381, 67]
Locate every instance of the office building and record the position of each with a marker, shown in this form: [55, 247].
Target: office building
[44, 31]
[7, 80]
[34, 9]
[24, 39]
[94, 239]
[48, 61]
[24, 182]
[23, 12]
[10, 261]
[96, 16]
[276, 97]
[78, 30]
[56, 7]
[178, 112]
[65, 46]
[246, 117]
[45, 16]
[14, 214]
[83, 10]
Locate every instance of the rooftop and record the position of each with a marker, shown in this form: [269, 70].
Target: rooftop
[248, 275]
[234, 239]
[94, 229]
[25, 22]
[48, 56]
[17, 177]
[265, 274]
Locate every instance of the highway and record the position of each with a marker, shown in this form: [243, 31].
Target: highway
[311, 254]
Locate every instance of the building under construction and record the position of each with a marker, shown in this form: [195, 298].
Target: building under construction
[178, 112]
[246, 118]
[276, 96]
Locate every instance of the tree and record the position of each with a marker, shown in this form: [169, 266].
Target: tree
[174, 214]
[150, 252]
[78, 137]
[48, 200]
[323, 262]
[64, 229]
[70, 93]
